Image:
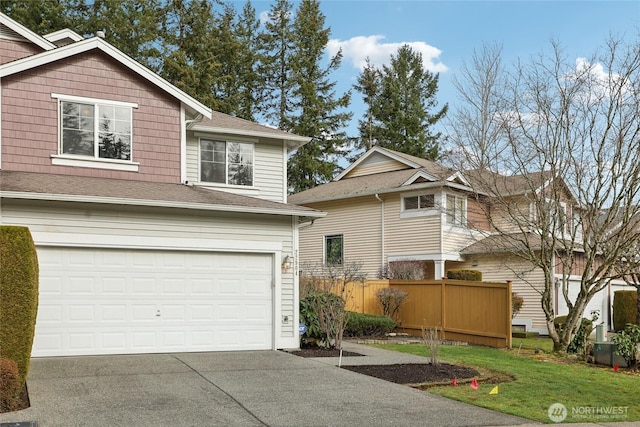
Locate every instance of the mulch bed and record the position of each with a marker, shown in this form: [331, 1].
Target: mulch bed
[404, 373]
[416, 373]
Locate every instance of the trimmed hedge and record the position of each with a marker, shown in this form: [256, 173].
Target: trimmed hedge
[471, 275]
[19, 291]
[9, 384]
[368, 325]
[625, 309]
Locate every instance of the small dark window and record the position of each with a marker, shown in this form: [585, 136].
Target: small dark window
[333, 249]
[424, 201]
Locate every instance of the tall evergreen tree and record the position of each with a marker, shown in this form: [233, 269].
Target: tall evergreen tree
[132, 26]
[250, 83]
[225, 48]
[43, 16]
[368, 84]
[317, 106]
[276, 44]
[403, 109]
[189, 62]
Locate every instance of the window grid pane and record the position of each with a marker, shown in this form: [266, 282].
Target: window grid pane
[334, 250]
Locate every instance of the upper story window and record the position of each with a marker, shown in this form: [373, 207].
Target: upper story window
[226, 162]
[94, 131]
[417, 202]
[334, 249]
[456, 210]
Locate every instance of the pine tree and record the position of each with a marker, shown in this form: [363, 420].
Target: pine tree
[41, 16]
[250, 85]
[276, 43]
[368, 84]
[403, 108]
[316, 112]
[189, 62]
[132, 26]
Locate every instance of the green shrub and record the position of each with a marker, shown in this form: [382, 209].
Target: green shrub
[627, 342]
[324, 314]
[579, 341]
[9, 384]
[625, 309]
[368, 325]
[470, 275]
[19, 302]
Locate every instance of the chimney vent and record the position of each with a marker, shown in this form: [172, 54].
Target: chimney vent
[100, 34]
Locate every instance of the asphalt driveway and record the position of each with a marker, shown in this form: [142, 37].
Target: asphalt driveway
[256, 388]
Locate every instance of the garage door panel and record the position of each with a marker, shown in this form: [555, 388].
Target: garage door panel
[131, 301]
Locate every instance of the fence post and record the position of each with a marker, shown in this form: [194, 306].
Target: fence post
[443, 318]
[509, 313]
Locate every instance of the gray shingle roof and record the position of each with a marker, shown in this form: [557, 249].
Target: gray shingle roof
[88, 189]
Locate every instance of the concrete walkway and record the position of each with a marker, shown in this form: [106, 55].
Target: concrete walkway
[255, 388]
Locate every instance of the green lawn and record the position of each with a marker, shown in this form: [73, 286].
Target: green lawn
[541, 380]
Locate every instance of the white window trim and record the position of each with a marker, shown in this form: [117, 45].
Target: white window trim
[464, 210]
[62, 159]
[226, 164]
[413, 213]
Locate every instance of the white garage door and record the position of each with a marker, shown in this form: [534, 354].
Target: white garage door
[108, 301]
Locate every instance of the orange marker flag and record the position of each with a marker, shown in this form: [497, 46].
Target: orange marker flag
[494, 390]
[454, 382]
[616, 367]
[474, 384]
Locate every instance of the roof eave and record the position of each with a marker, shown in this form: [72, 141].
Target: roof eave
[292, 140]
[26, 33]
[159, 204]
[97, 43]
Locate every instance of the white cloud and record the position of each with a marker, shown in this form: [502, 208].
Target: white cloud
[357, 49]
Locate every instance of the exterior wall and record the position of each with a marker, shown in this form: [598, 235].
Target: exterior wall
[477, 215]
[30, 118]
[130, 225]
[268, 174]
[13, 49]
[499, 268]
[359, 220]
[407, 236]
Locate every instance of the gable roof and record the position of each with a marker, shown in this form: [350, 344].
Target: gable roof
[53, 54]
[230, 125]
[25, 33]
[68, 188]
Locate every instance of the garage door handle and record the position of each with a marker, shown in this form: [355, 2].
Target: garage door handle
[158, 313]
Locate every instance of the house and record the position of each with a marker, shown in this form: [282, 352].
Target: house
[389, 207]
[160, 225]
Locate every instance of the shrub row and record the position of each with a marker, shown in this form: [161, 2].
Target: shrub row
[368, 325]
[471, 275]
[625, 309]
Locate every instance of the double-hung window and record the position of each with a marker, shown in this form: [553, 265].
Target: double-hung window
[456, 210]
[226, 162]
[95, 128]
[334, 249]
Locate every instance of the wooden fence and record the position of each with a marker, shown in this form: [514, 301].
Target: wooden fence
[475, 312]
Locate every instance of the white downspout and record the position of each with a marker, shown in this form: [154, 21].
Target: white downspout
[382, 263]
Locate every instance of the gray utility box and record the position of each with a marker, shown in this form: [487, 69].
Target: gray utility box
[604, 353]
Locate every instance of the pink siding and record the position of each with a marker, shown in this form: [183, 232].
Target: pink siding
[13, 49]
[30, 117]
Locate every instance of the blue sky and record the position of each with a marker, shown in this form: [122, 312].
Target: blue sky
[447, 32]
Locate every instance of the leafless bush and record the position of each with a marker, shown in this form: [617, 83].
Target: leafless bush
[327, 290]
[390, 299]
[431, 337]
[516, 304]
[405, 270]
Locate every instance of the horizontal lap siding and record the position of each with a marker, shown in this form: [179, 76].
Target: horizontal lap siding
[30, 117]
[168, 223]
[268, 174]
[359, 220]
[374, 166]
[407, 236]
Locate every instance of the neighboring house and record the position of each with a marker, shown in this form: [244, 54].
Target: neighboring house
[160, 226]
[389, 206]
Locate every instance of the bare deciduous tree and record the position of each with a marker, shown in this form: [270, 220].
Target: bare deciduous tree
[562, 188]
